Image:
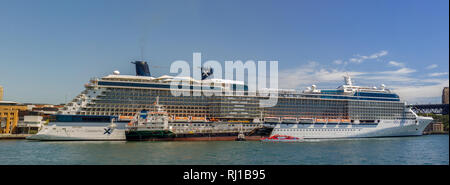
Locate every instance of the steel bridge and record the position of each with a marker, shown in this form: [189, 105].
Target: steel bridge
[430, 108]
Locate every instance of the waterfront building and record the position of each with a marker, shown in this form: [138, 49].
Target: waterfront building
[434, 127]
[9, 116]
[24, 118]
[30, 124]
[445, 95]
[44, 110]
[438, 127]
[1, 93]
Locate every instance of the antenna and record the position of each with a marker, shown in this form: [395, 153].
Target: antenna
[348, 79]
[142, 53]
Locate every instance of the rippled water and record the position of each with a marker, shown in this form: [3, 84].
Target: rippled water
[429, 149]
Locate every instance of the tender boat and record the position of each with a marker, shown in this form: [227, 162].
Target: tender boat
[281, 138]
[81, 131]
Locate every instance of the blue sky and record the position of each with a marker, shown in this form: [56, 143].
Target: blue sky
[50, 48]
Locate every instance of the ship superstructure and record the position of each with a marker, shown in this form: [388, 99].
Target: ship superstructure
[124, 95]
[362, 111]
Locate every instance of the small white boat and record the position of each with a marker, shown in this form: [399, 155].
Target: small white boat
[79, 133]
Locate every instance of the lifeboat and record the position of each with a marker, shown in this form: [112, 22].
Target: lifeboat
[198, 119]
[306, 120]
[333, 120]
[289, 120]
[281, 138]
[321, 120]
[125, 118]
[239, 121]
[345, 120]
[181, 119]
[272, 120]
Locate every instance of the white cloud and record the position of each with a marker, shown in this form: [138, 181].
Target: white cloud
[337, 62]
[314, 73]
[401, 71]
[432, 66]
[398, 64]
[403, 80]
[389, 78]
[380, 54]
[437, 74]
[401, 75]
[360, 59]
[311, 73]
[412, 93]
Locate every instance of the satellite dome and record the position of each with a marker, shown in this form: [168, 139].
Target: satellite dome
[116, 72]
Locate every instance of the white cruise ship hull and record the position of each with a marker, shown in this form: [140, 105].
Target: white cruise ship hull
[385, 128]
[78, 133]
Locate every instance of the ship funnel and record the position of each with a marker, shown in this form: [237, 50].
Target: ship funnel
[142, 68]
[348, 80]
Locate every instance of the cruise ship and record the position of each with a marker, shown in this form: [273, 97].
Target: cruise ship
[346, 112]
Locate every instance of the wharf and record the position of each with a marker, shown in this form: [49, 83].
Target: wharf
[14, 136]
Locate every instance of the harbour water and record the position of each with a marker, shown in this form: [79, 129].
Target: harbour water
[421, 150]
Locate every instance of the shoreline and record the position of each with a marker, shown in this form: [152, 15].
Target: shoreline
[14, 136]
[436, 133]
[23, 136]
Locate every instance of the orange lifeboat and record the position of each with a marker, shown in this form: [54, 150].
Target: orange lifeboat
[345, 120]
[321, 120]
[181, 119]
[333, 120]
[198, 119]
[125, 118]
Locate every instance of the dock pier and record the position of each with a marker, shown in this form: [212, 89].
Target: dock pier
[14, 136]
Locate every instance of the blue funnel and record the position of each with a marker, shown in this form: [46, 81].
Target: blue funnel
[142, 68]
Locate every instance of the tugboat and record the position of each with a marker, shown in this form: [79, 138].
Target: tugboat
[281, 138]
[156, 126]
[149, 125]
